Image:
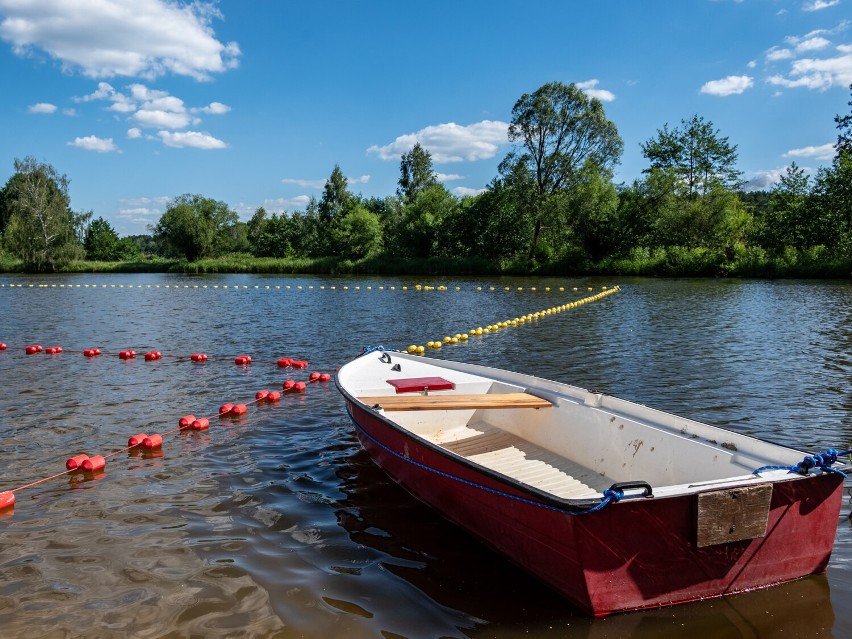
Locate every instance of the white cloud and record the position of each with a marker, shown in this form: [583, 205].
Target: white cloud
[832, 69]
[140, 215]
[463, 191]
[94, 143]
[305, 184]
[449, 177]
[42, 107]
[274, 205]
[214, 108]
[775, 54]
[450, 142]
[588, 87]
[191, 139]
[131, 38]
[133, 133]
[158, 119]
[817, 5]
[361, 179]
[813, 44]
[764, 180]
[732, 85]
[821, 152]
[161, 200]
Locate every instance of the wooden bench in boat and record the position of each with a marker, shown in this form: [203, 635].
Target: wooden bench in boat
[456, 402]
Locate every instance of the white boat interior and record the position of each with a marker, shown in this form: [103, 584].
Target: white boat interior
[575, 446]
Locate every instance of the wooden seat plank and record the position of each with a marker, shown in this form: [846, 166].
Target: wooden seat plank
[456, 401]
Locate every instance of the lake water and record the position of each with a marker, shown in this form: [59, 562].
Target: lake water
[278, 525]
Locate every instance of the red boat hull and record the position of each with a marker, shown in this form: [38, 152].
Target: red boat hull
[632, 554]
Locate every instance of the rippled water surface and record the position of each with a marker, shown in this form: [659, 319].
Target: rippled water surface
[278, 525]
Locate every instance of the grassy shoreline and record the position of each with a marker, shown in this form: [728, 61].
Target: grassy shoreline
[671, 262]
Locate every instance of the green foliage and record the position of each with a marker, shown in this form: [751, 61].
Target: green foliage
[420, 231]
[358, 234]
[194, 226]
[695, 155]
[40, 228]
[560, 132]
[416, 174]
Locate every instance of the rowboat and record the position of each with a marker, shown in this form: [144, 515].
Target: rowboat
[615, 505]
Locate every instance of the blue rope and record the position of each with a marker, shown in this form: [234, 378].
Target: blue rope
[823, 461]
[370, 349]
[609, 495]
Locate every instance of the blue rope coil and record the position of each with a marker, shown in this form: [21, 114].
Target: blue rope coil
[823, 461]
[609, 495]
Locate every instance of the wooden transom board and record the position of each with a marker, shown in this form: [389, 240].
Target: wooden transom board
[733, 514]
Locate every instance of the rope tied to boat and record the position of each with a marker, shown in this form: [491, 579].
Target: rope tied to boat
[822, 461]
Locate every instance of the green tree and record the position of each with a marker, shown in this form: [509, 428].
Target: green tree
[194, 227]
[420, 232]
[831, 202]
[844, 130]
[786, 221]
[358, 234]
[416, 174]
[101, 241]
[559, 130]
[40, 227]
[696, 154]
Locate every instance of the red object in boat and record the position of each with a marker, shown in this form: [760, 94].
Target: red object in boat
[420, 384]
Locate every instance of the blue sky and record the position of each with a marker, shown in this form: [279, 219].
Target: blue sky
[253, 102]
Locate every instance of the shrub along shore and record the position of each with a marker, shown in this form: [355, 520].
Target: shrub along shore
[663, 262]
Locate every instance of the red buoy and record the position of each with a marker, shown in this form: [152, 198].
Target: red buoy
[7, 498]
[93, 463]
[136, 439]
[88, 353]
[3, 346]
[49, 350]
[225, 409]
[96, 351]
[57, 349]
[273, 396]
[32, 350]
[198, 357]
[325, 377]
[239, 409]
[153, 356]
[127, 354]
[299, 387]
[300, 363]
[284, 362]
[261, 395]
[288, 385]
[75, 462]
[186, 421]
[201, 424]
[314, 377]
[152, 441]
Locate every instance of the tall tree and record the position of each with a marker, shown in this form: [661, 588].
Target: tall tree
[416, 174]
[101, 241]
[844, 130]
[40, 227]
[559, 130]
[696, 154]
[194, 226]
[334, 196]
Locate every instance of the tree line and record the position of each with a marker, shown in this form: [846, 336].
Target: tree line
[553, 207]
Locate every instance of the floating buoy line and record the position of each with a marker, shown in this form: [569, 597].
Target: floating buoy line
[94, 466]
[298, 287]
